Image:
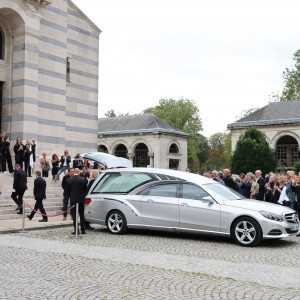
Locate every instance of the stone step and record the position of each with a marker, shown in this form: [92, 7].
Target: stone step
[8, 202]
[14, 215]
[52, 209]
[26, 197]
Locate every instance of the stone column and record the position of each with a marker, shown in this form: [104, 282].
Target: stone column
[130, 157]
[151, 155]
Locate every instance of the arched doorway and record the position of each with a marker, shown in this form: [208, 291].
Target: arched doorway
[287, 152]
[102, 148]
[121, 151]
[14, 25]
[141, 158]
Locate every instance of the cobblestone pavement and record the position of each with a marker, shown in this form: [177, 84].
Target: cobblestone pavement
[48, 264]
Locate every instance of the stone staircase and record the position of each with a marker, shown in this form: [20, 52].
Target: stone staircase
[52, 204]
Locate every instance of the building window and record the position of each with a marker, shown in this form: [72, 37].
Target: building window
[102, 148]
[68, 69]
[294, 154]
[173, 149]
[141, 158]
[121, 151]
[287, 152]
[282, 156]
[1, 45]
[173, 164]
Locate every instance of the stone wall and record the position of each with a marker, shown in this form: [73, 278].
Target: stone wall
[158, 146]
[38, 102]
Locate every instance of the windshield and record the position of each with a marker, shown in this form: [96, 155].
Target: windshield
[120, 183]
[222, 192]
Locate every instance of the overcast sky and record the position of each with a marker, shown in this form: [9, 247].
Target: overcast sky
[225, 55]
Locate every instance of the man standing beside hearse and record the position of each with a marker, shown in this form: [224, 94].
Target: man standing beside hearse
[76, 188]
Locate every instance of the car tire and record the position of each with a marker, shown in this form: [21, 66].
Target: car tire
[246, 232]
[116, 222]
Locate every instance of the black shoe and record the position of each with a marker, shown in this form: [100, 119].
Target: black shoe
[75, 232]
[20, 212]
[83, 232]
[43, 220]
[89, 227]
[19, 207]
[28, 216]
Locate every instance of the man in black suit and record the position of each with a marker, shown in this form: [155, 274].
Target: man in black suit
[246, 186]
[228, 180]
[76, 188]
[65, 195]
[39, 192]
[65, 161]
[261, 183]
[19, 187]
[3, 146]
[8, 155]
[33, 149]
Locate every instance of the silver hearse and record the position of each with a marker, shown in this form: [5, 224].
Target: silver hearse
[172, 200]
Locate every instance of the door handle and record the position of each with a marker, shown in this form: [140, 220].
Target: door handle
[184, 204]
[150, 200]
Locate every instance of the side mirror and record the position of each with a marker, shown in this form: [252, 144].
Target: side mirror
[208, 200]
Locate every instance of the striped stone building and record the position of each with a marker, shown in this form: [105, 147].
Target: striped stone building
[49, 74]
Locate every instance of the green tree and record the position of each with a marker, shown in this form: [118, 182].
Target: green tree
[253, 153]
[227, 146]
[291, 78]
[220, 151]
[111, 113]
[201, 154]
[184, 115]
[297, 166]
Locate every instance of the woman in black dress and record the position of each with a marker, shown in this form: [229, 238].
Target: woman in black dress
[55, 165]
[27, 154]
[19, 152]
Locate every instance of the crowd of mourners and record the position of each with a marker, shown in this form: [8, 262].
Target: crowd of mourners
[279, 188]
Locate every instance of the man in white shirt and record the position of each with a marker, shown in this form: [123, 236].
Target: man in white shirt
[261, 183]
[64, 164]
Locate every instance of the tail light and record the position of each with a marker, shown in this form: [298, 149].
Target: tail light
[87, 201]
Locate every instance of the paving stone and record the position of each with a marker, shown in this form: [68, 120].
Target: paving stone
[29, 269]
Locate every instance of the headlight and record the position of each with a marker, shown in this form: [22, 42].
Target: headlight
[271, 216]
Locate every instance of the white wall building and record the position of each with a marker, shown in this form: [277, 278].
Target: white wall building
[280, 122]
[144, 139]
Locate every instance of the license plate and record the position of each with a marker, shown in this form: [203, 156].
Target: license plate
[294, 227]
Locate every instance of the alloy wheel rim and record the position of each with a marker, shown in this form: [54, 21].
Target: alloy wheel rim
[245, 232]
[115, 223]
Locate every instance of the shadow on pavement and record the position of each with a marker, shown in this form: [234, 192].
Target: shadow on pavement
[276, 243]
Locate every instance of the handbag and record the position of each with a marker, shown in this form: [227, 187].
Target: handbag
[47, 167]
[283, 199]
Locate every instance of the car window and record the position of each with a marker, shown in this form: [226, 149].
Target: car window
[190, 191]
[162, 176]
[120, 183]
[164, 190]
[222, 192]
[166, 177]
